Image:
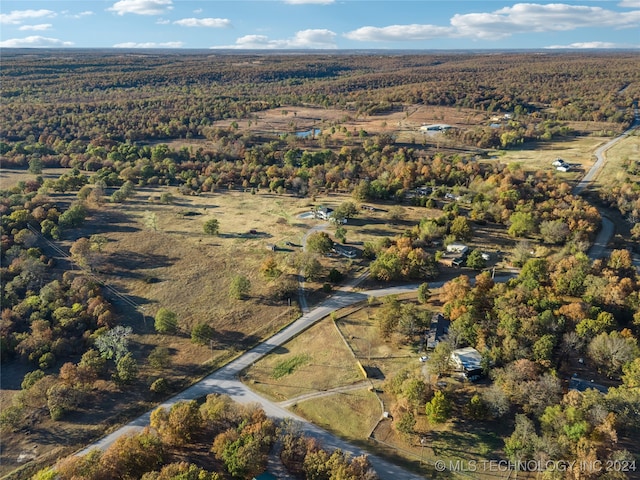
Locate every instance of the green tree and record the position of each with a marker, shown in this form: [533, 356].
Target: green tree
[151, 220]
[211, 226]
[202, 334]
[438, 408]
[35, 165]
[310, 266]
[30, 378]
[319, 242]
[415, 391]
[341, 234]
[396, 213]
[439, 361]
[522, 224]
[406, 423]
[166, 321]
[387, 266]
[159, 357]
[388, 316]
[590, 327]
[240, 287]
[631, 374]
[461, 229]
[424, 293]
[475, 260]
[543, 349]
[534, 273]
[476, 408]
[126, 369]
[345, 210]
[166, 198]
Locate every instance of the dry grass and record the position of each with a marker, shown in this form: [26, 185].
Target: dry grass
[361, 331]
[10, 177]
[329, 364]
[538, 156]
[350, 415]
[614, 171]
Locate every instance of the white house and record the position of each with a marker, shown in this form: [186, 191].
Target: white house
[467, 360]
[324, 213]
[459, 248]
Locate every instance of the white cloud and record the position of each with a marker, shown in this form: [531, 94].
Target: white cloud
[68, 14]
[399, 33]
[16, 17]
[531, 17]
[630, 3]
[162, 21]
[40, 27]
[149, 45]
[204, 22]
[504, 22]
[583, 45]
[198, 11]
[141, 7]
[309, 2]
[313, 38]
[34, 42]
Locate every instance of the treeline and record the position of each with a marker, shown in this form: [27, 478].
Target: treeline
[91, 96]
[238, 438]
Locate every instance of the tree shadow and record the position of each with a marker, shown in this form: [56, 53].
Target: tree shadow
[124, 262]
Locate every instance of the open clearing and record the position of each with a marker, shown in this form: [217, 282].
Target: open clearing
[351, 414]
[327, 364]
[613, 171]
[534, 156]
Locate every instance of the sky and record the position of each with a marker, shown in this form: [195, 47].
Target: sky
[320, 24]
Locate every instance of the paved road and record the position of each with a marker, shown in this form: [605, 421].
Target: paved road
[600, 160]
[225, 381]
[598, 249]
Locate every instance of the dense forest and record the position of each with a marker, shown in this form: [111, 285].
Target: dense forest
[108, 118]
[54, 99]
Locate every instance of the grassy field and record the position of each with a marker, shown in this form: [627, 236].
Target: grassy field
[316, 360]
[613, 171]
[534, 156]
[350, 415]
[353, 414]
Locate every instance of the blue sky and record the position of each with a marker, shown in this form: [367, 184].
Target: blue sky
[320, 24]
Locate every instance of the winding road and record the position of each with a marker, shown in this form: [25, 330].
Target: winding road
[598, 249]
[226, 379]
